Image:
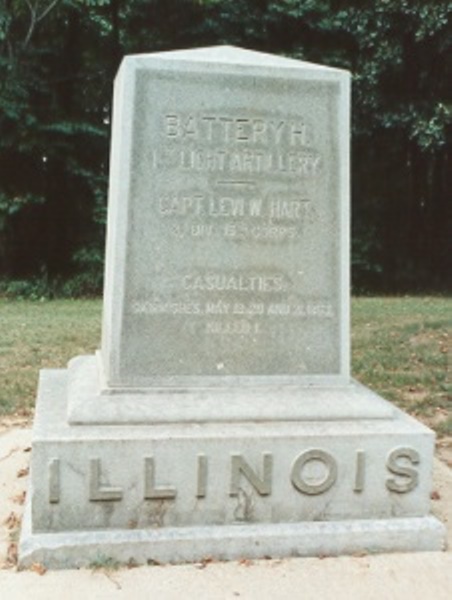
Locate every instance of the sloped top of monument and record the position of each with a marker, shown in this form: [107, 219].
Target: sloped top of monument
[234, 56]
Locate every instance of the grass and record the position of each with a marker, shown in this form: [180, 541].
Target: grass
[104, 563]
[36, 335]
[401, 349]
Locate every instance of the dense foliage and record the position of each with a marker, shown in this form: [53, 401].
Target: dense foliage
[57, 63]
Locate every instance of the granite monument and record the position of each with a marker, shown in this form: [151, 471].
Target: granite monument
[219, 417]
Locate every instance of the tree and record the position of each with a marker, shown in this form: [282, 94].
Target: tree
[54, 132]
[402, 107]
[57, 63]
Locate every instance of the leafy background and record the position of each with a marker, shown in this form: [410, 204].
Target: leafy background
[58, 59]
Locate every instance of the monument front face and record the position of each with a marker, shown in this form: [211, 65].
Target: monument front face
[233, 238]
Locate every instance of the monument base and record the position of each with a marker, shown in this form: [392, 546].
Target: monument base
[75, 549]
[319, 398]
[177, 492]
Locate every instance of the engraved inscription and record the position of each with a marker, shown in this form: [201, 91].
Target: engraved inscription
[234, 235]
[237, 147]
[306, 164]
[233, 282]
[151, 491]
[239, 466]
[235, 327]
[236, 209]
[157, 306]
[199, 204]
[236, 231]
[265, 217]
[97, 490]
[54, 481]
[400, 462]
[313, 472]
[309, 484]
[226, 129]
[360, 471]
[201, 488]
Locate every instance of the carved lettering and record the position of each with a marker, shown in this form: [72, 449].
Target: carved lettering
[239, 129]
[226, 207]
[288, 209]
[97, 490]
[236, 327]
[313, 472]
[201, 230]
[259, 129]
[177, 127]
[172, 125]
[196, 283]
[279, 309]
[220, 160]
[201, 488]
[156, 307]
[181, 205]
[217, 308]
[54, 481]
[151, 492]
[360, 471]
[195, 205]
[298, 134]
[260, 233]
[232, 282]
[407, 476]
[239, 466]
[313, 487]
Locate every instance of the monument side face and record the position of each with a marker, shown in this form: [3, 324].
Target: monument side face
[227, 255]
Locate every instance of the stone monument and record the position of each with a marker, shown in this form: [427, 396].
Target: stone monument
[219, 418]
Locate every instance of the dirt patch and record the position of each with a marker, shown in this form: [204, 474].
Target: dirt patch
[15, 439]
[16, 422]
[444, 450]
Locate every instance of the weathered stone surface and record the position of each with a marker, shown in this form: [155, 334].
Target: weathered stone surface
[184, 475]
[74, 549]
[263, 401]
[219, 418]
[227, 255]
[183, 492]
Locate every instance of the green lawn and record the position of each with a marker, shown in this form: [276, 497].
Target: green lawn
[36, 335]
[401, 348]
